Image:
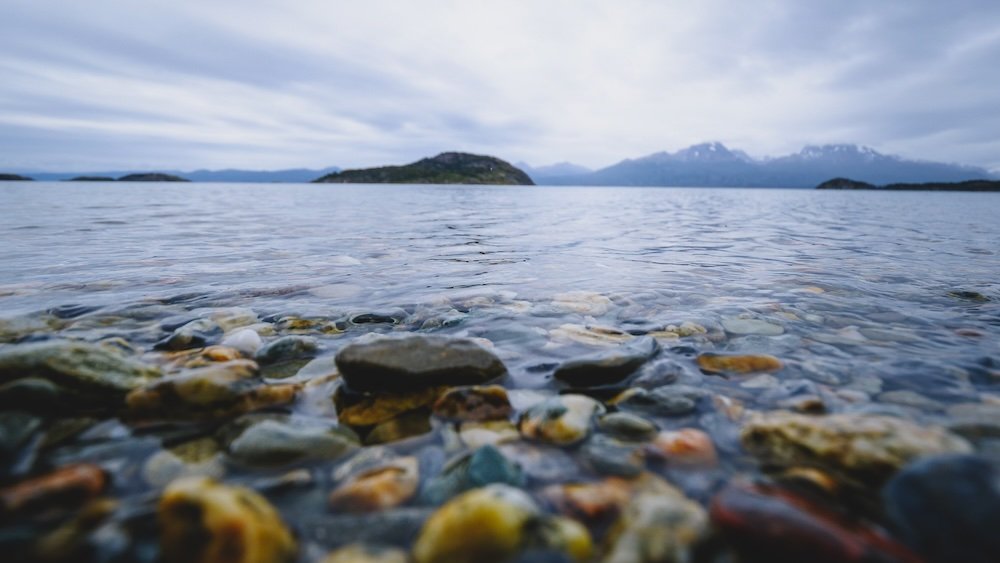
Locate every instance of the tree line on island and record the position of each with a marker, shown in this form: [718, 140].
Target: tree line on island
[702, 165]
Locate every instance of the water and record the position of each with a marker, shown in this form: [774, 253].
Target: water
[815, 262]
[886, 302]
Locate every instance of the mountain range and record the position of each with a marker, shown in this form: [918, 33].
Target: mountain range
[713, 164]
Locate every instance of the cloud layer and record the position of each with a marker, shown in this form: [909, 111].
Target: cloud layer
[269, 84]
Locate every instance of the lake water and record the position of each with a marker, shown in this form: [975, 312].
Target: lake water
[874, 302]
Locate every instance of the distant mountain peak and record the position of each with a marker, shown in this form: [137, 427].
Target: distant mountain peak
[840, 150]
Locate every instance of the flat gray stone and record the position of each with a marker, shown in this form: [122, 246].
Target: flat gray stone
[406, 363]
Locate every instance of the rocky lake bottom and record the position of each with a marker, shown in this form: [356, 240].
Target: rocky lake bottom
[450, 374]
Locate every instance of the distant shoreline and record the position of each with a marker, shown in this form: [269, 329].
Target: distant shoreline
[966, 186]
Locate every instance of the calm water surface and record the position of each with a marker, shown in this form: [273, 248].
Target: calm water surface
[859, 281]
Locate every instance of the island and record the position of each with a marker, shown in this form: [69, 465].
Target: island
[445, 168]
[14, 178]
[152, 177]
[91, 179]
[967, 186]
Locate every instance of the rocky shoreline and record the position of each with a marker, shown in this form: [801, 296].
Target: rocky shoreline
[390, 436]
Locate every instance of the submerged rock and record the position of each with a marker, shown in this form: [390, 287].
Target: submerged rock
[947, 508]
[474, 403]
[743, 327]
[607, 367]
[202, 521]
[666, 400]
[740, 364]
[75, 364]
[485, 466]
[411, 362]
[865, 450]
[271, 441]
[202, 458]
[562, 420]
[685, 447]
[218, 390]
[658, 524]
[195, 334]
[491, 525]
[379, 488]
[246, 340]
[366, 410]
[291, 347]
[66, 487]
[627, 426]
[407, 425]
[768, 524]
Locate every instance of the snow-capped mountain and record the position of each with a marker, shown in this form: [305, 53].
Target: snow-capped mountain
[714, 164]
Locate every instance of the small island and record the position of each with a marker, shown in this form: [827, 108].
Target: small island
[152, 177]
[91, 179]
[445, 168]
[967, 186]
[14, 178]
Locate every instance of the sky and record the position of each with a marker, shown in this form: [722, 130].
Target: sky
[262, 84]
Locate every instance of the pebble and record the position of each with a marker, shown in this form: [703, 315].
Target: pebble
[627, 426]
[219, 390]
[201, 457]
[947, 508]
[769, 524]
[195, 334]
[606, 456]
[658, 524]
[592, 335]
[75, 364]
[742, 327]
[687, 447]
[484, 466]
[492, 524]
[561, 420]
[595, 504]
[66, 487]
[607, 367]
[738, 364]
[474, 403]
[379, 488]
[202, 521]
[246, 340]
[666, 400]
[269, 442]
[582, 302]
[863, 450]
[492, 432]
[414, 361]
[291, 347]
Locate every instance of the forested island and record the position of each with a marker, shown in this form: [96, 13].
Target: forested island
[445, 168]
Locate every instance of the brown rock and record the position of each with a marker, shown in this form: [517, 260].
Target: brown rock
[378, 489]
[739, 364]
[475, 403]
[202, 521]
[67, 486]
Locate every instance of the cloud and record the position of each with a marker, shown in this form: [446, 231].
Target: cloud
[267, 84]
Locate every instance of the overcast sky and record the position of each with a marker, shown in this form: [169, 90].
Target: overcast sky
[184, 84]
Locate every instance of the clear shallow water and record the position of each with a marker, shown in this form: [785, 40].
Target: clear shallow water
[874, 302]
[869, 274]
